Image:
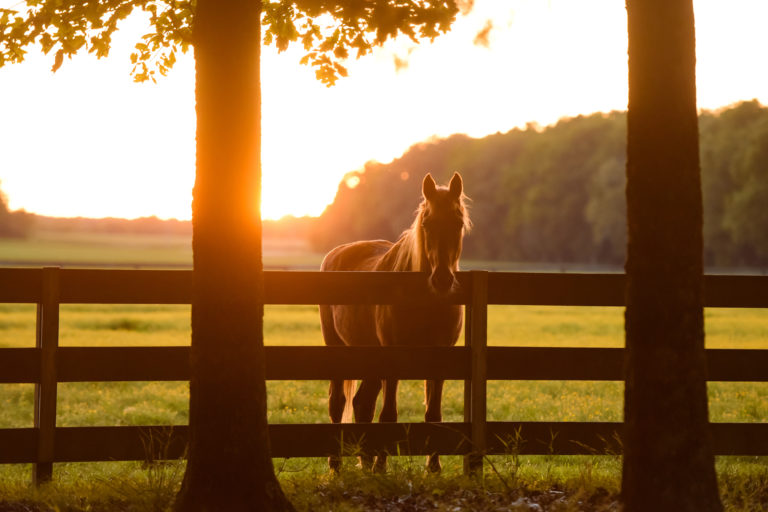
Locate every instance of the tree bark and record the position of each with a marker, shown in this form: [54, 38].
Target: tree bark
[668, 460]
[229, 465]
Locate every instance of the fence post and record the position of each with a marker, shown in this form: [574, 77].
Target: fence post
[476, 336]
[45, 391]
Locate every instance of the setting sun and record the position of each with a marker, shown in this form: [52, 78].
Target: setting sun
[86, 141]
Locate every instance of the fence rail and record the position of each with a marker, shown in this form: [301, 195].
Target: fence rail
[48, 364]
[110, 364]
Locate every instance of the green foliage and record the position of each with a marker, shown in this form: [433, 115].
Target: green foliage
[67, 26]
[557, 195]
[533, 193]
[329, 30]
[734, 161]
[747, 216]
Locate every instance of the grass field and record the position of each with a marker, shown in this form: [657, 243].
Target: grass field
[133, 250]
[125, 403]
[122, 403]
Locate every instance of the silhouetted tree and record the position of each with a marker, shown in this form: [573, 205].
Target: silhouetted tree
[668, 463]
[229, 464]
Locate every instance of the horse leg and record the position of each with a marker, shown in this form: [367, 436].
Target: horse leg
[364, 405]
[336, 398]
[388, 415]
[336, 402]
[434, 395]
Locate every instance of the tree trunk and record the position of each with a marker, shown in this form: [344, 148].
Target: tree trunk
[668, 460]
[229, 465]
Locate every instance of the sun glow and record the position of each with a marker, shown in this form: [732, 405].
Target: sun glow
[86, 141]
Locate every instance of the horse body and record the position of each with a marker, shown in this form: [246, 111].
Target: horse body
[432, 245]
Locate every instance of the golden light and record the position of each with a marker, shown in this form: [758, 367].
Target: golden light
[87, 141]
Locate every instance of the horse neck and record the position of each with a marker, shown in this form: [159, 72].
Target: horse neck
[407, 254]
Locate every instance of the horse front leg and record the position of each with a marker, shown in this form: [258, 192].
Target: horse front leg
[434, 396]
[388, 415]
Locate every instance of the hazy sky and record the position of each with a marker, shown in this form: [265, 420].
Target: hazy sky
[87, 141]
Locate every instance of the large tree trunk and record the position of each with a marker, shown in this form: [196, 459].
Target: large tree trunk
[229, 465]
[668, 460]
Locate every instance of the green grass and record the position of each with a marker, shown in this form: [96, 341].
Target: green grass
[48, 248]
[74, 249]
[556, 483]
[306, 401]
[744, 480]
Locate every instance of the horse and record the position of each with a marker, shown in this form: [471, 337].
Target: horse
[431, 245]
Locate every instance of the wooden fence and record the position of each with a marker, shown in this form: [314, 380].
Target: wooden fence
[48, 364]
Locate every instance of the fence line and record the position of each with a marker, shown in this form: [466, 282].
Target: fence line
[48, 364]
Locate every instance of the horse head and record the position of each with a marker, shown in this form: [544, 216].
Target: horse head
[443, 220]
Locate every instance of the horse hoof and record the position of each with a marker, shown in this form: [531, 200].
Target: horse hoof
[334, 464]
[381, 466]
[433, 465]
[366, 463]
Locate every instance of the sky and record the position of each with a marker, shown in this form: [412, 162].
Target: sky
[88, 141]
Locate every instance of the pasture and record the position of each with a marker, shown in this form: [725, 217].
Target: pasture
[294, 402]
[133, 250]
[306, 480]
[123, 403]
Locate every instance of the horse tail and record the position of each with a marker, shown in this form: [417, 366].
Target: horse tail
[349, 392]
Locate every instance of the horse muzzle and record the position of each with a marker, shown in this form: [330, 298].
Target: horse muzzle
[442, 281]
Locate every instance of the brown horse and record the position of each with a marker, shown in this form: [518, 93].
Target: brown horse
[432, 245]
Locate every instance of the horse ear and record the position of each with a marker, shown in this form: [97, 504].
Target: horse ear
[428, 187]
[457, 185]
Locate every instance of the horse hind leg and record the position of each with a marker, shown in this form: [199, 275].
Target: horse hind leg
[336, 403]
[337, 400]
[388, 415]
[434, 395]
[364, 405]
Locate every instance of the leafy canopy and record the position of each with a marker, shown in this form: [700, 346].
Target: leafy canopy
[328, 30]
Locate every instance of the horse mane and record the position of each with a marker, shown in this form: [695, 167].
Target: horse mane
[409, 253]
[410, 245]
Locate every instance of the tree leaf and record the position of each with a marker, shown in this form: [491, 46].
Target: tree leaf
[58, 60]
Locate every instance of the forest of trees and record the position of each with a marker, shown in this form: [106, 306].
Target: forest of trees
[557, 194]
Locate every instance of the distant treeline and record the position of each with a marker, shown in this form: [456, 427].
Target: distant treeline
[143, 225]
[20, 224]
[557, 194]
